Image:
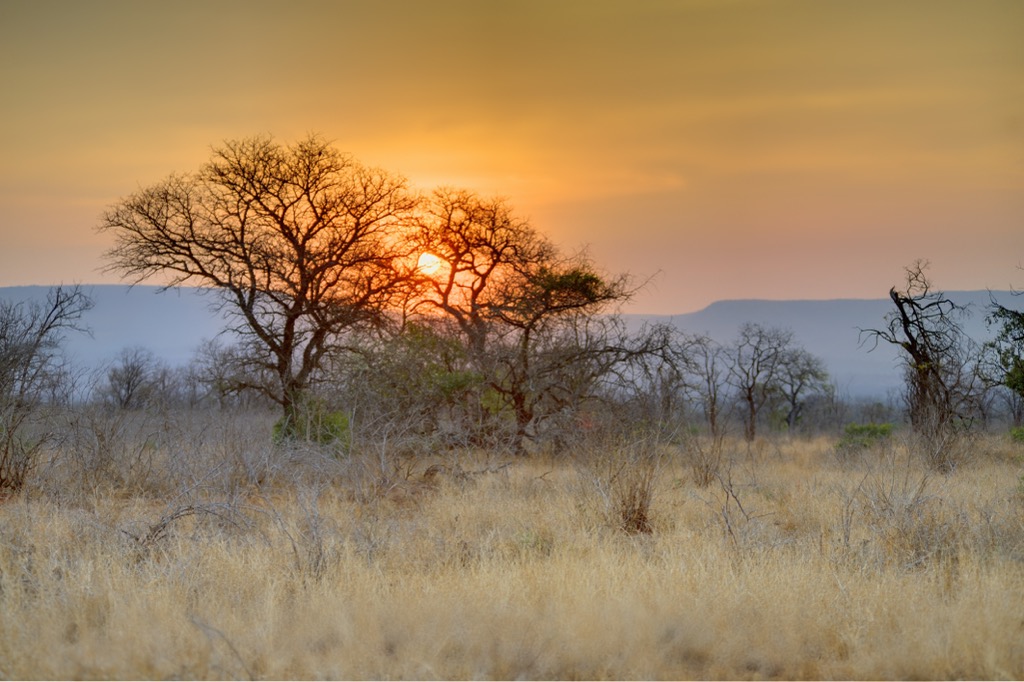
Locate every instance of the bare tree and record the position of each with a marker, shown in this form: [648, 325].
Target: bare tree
[219, 373]
[582, 364]
[710, 372]
[755, 361]
[132, 378]
[30, 335]
[800, 375]
[302, 242]
[656, 383]
[942, 372]
[481, 244]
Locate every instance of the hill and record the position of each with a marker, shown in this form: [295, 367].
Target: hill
[174, 323]
[829, 329]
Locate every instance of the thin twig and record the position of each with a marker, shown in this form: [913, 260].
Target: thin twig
[209, 630]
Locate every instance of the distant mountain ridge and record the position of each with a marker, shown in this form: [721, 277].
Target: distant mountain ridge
[831, 329]
[172, 324]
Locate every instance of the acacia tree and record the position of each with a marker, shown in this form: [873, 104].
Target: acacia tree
[302, 243]
[481, 245]
[526, 313]
[550, 347]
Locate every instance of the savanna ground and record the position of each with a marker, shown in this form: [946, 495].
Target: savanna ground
[190, 547]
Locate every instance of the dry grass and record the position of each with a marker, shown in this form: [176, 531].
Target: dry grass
[791, 564]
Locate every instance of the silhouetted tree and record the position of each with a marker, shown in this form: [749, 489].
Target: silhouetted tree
[526, 314]
[941, 363]
[481, 244]
[302, 243]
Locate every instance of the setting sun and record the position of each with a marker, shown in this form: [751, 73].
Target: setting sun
[428, 264]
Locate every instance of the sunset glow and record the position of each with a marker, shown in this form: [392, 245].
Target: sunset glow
[726, 149]
[429, 264]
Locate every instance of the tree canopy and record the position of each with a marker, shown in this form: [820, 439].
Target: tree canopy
[301, 241]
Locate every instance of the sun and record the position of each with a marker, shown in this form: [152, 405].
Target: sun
[428, 264]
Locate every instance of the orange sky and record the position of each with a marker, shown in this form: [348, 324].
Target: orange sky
[738, 148]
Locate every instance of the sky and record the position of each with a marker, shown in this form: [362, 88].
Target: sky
[715, 149]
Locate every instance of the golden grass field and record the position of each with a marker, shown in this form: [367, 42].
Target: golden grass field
[791, 564]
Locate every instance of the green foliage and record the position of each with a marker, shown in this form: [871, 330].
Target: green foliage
[450, 384]
[423, 367]
[574, 287]
[863, 436]
[493, 402]
[1009, 346]
[1017, 434]
[313, 422]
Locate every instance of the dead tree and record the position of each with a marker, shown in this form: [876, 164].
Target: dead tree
[941, 373]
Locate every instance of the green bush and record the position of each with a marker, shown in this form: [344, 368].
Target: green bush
[1017, 434]
[313, 422]
[863, 436]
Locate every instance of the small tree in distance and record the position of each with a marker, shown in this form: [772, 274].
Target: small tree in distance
[755, 361]
[132, 378]
[710, 372]
[800, 374]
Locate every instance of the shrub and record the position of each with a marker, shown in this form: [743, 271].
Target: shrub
[625, 474]
[857, 437]
[313, 422]
[704, 456]
[1017, 434]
